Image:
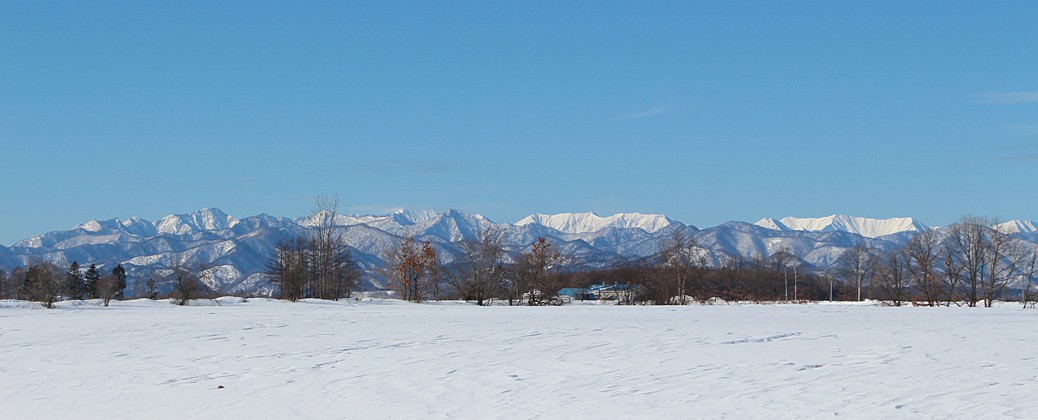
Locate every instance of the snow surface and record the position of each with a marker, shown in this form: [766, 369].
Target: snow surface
[388, 359]
[869, 228]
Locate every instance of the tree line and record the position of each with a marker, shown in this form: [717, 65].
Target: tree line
[971, 263]
[677, 274]
[48, 283]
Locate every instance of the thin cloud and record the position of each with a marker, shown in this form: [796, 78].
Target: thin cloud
[1019, 147]
[662, 109]
[374, 209]
[1023, 130]
[1029, 157]
[421, 167]
[1020, 153]
[1009, 97]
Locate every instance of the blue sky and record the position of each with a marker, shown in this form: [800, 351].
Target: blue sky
[704, 111]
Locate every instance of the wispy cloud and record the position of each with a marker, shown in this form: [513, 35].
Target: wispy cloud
[422, 167]
[1023, 130]
[1019, 147]
[1026, 157]
[1020, 153]
[662, 109]
[1008, 97]
[375, 209]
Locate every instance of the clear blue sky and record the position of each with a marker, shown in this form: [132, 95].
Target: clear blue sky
[704, 111]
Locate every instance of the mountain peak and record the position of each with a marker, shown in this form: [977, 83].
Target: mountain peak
[91, 226]
[414, 216]
[210, 218]
[1017, 226]
[869, 228]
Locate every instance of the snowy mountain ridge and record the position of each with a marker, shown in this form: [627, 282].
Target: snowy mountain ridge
[1017, 226]
[869, 228]
[590, 222]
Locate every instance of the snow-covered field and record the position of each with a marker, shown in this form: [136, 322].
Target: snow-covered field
[386, 359]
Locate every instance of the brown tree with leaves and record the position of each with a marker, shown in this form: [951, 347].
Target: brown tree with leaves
[44, 282]
[412, 266]
[536, 276]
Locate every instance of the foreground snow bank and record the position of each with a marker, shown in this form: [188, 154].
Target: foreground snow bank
[379, 359]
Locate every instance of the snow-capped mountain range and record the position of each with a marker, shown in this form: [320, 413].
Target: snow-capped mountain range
[238, 249]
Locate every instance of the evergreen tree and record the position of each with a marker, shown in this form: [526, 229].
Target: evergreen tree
[90, 281]
[153, 292]
[120, 280]
[74, 281]
[26, 292]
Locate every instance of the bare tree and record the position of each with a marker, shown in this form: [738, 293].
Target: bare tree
[922, 260]
[786, 261]
[479, 273]
[17, 284]
[967, 246]
[1004, 257]
[346, 271]
[795, 264]
[831, 277]
[188, 284]
[333, 271]
[320, 265]
[952, 273]
[5, 291]
[1029, 269]
[857, 265]
[288, 268]
[107, 288]
[984, 259]
[782, 260]
[893, 281]
[678, 260]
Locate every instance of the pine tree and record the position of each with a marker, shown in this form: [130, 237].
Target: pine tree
[153, 292]
[120, 280]
[90, 281]
[74, 281]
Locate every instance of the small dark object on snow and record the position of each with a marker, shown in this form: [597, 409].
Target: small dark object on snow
[220, 387]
